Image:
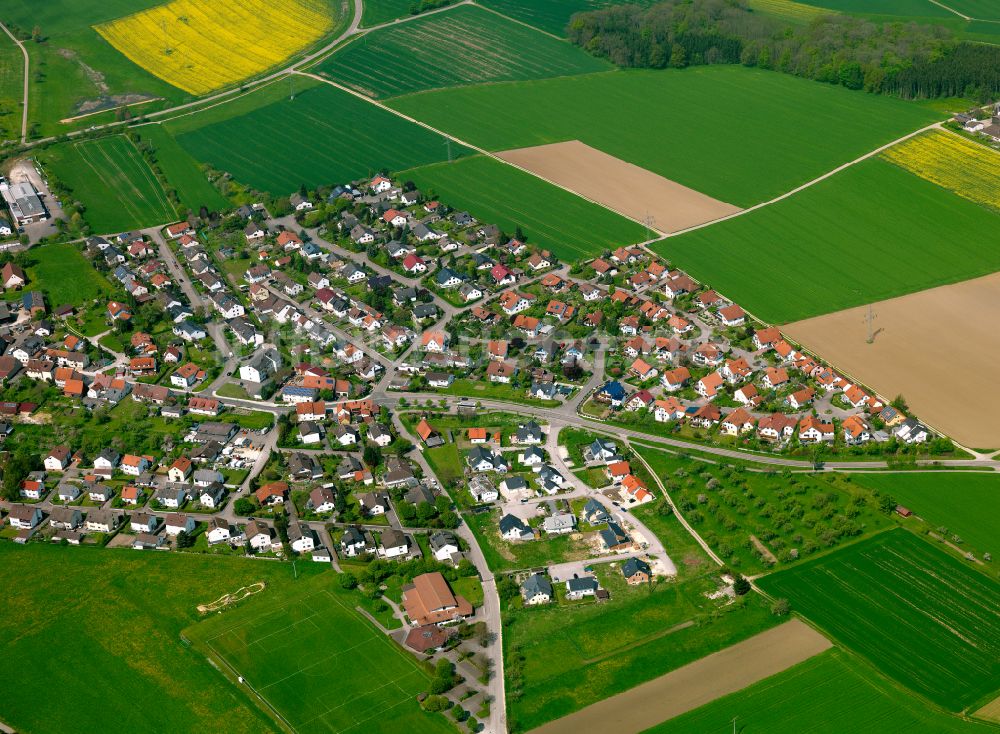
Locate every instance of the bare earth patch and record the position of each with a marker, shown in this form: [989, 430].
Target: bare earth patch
[990, 712]
[933, 347]
[619, 185]
[697, 683]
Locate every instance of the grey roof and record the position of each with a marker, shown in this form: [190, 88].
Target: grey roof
[512, 522]
[536, 584]
[633, 566]
[582, 583]
[442, 538]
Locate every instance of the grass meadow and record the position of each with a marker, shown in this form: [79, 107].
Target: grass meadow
[90, 627]
[181, 171]
[11, 80]
[773, 131]
[551, 217]
[320, 664]
[65, 276]
[465, 45]
[323, 136]
[870, 232]
[919, 615]
[830, 693]
[113, 181]
[560, 658]
[966, 503]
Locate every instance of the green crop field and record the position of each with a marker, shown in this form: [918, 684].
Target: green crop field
[775, 132]
[831, 693]
[551, 15]
[908, 8]
[966, 503]
[921, 616]
[181, 171]
[113, 181]
[833, 246]
[323, 136]
[377, 12]
[560, 658]
[320, 664]
[551, 217]
[64, 275]
[978, 9]
[102, 628]
[465, 45]
[804, 513]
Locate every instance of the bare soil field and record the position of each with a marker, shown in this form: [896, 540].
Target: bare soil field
[932, 347]
[619, 185]
[697, 683]
[990, 712]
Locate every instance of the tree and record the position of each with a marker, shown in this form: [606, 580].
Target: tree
[184, 540]
[36, 34]
[781, 607]
[372, 455]
[348, 581]
[678, 56]
[741, 586]
[245, 506]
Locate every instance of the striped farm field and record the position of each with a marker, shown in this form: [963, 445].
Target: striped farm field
[323, 135]
[788, 10]
[830, 693]
[203, 45]
[116, 186]
[970, 170]
[919, 615]
[571, 227]
[552, 16]
[464, 45]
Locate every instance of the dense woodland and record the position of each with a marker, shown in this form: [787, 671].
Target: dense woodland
[910, 60]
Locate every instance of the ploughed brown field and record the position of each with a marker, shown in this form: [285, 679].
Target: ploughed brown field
[938, 348]
[697, 683]
[619, 185]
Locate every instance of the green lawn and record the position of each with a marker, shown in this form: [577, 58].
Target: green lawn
[551, 16]
[740, 135]
[320, 663]
[831, 693]
[833, 246]
[115, 184]
[968, 505]
[102, 627]
[182, 172]
[560, 658]
[324, 135]
[447, 463]
[550, 217]
[65, 276]
[465, 45]
[978, 9]
[921, 616]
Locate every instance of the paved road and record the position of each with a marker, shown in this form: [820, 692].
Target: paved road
[27, 65]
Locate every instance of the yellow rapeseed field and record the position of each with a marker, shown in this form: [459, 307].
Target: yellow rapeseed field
[970, 170]
[203, 45]
[789, 10]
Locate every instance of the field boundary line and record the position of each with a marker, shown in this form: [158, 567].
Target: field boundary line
[963, 16]
[482, 151]
[809, 184]
[147, 172]
[99, 172]
[519, 22]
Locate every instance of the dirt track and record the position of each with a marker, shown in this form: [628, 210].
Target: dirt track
[697, 683]
[619, 185]
[938, 348]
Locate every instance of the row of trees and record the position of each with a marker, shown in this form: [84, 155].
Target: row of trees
[910, 60]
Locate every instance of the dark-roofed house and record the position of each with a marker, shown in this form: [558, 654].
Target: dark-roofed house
[636, 571]
[536, 589]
